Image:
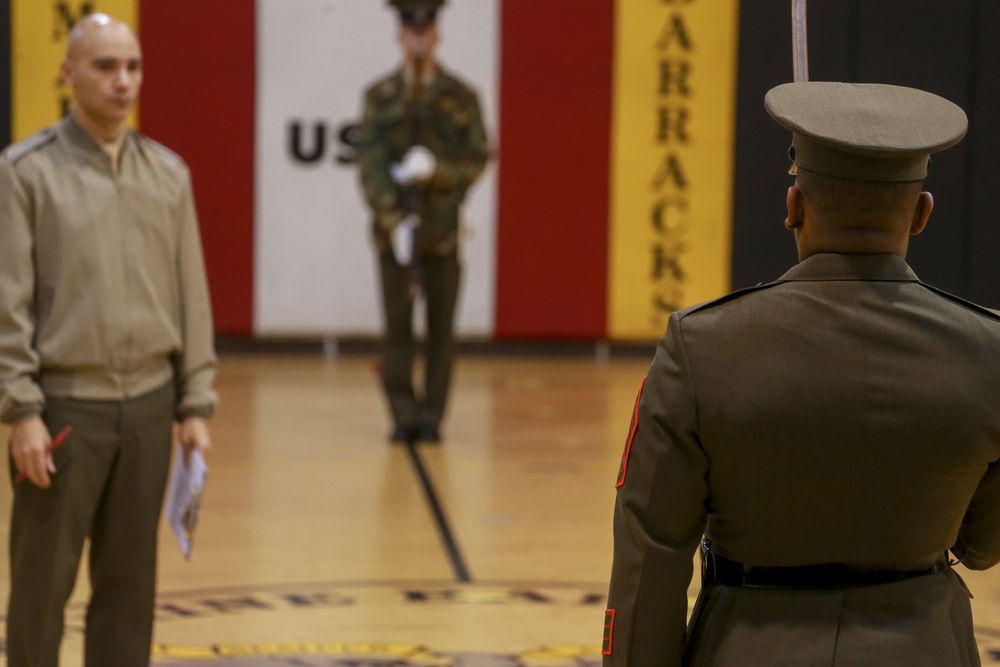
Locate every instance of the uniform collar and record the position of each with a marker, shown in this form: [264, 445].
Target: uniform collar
[69, 127]
[428, 80]
[833, 266]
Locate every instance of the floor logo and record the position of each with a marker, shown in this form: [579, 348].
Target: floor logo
[375, 655]
[374, 624]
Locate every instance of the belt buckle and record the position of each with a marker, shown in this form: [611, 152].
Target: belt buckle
[708, 567]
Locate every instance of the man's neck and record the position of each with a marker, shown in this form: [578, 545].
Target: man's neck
[101, 132]
[427, 68]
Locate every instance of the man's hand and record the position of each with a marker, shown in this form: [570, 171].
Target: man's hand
[420, 162]
[417, 166]
[193, 434]
[29, 445]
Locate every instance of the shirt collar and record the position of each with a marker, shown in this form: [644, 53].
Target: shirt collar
[74, 133]
[835, 266]
[427, 80]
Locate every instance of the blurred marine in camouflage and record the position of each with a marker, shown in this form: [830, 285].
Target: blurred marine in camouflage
[422, 145]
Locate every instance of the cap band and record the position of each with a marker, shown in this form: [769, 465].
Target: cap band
[418, 17]
[823, 159]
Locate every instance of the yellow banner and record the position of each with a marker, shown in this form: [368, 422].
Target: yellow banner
[39, 29]
[672, 160]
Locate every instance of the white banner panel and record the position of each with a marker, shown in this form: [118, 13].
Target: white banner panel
[315, 269]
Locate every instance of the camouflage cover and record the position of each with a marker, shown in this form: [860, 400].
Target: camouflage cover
[447, 120]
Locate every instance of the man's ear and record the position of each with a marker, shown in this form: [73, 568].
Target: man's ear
[925, 204]
[66, 72]
[796, 208]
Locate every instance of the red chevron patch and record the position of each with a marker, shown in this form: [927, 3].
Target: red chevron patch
[609, 630]
[632, 428]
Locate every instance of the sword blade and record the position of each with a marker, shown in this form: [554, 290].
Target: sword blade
[800, 47]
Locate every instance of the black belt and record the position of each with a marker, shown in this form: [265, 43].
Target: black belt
[718, 569]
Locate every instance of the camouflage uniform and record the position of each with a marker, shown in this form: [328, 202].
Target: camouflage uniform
[446, 119]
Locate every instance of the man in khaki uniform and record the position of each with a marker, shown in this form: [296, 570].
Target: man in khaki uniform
[105, 329]
[831, 435]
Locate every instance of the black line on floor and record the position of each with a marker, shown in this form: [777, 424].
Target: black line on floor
[444, 528]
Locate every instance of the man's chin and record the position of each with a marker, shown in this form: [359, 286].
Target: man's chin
[117, 117]
[121, 109]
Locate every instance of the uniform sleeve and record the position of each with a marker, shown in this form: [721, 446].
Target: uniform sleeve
[381, 192]
[659, 516]
[196, 362]
[461, 166]
[978, 545]
[20, 395]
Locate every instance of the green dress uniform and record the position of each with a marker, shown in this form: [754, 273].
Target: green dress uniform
[825, 439]
[445, 118]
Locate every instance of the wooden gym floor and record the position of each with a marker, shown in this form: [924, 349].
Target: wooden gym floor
[321, 544]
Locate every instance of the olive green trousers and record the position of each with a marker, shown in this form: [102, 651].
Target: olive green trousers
[108, 488]
[424, 405]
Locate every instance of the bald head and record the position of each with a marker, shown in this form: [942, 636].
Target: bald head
[95, 28]
[103, 66]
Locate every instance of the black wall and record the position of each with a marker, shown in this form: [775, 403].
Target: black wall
[945, 48]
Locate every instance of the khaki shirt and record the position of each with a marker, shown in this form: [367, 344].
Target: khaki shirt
[103, 293]
[846, 413]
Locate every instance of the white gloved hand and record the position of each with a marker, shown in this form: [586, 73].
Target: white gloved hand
[401, 240]
[420, 163]
[400, 175]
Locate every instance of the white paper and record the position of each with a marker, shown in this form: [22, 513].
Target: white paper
[183, 507]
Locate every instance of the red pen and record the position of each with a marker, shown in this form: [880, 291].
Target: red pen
[56, 441]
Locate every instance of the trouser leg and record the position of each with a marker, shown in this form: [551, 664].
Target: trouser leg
[442, 276]
[397, 366]
[123, 542]
[49, 527]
